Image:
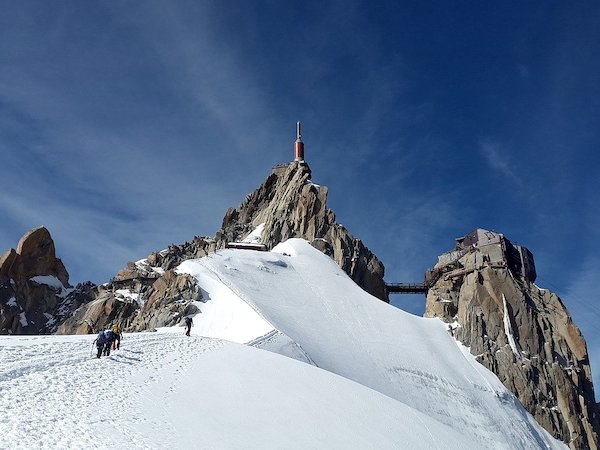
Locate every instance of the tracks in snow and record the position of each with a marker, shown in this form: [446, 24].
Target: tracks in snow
[78, 401]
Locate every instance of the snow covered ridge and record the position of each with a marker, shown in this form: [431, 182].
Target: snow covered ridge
[329, 321]
[365, 376]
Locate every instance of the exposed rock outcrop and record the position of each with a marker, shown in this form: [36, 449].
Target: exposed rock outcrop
[137, 307]
[290, 205]
[143, 295]
[171, 298]
[35, 294]
[522, 333]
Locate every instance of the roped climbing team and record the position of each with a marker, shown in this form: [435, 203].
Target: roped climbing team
[111, 337]
[107, 339]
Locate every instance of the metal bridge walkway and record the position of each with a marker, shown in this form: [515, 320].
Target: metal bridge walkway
[406, 288]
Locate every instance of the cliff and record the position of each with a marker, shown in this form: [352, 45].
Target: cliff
[485, 290]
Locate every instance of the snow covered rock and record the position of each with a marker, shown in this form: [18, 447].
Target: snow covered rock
[137, 307]
[520, 332]
[106, 308]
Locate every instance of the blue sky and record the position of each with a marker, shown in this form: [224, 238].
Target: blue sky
[126, 126]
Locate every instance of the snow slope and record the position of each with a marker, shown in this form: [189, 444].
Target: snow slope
[164, 390]
[360, 374]
[305, 296]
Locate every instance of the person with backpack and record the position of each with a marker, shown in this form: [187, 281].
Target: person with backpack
[188, 325]
[100, 341]
[108, 340]
[117, 336]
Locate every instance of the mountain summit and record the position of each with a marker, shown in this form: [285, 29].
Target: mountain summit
[484, 289]
[289, 205]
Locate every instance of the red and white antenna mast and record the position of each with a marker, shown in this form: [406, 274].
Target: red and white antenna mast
[298, 145]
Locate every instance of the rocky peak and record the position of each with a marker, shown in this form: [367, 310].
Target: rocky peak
[290, 205]
[148, 294]
[37, 256]
[484, 289]
[35, 294]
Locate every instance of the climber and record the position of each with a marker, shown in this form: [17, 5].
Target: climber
[108, 339]
[100, 341]
[188, 325]
[117, 336]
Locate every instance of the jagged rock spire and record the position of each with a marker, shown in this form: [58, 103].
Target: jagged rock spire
[290, 205]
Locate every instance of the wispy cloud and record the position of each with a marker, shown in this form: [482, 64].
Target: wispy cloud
[114, 172]
[498, 159]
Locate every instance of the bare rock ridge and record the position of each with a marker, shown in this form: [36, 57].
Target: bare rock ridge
[149, 294]
[35, 294]
[485, 290]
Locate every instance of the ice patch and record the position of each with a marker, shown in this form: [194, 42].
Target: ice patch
[53, 283]
[50, 320]
[143, 264]
[23, 319]
[50, 281]
[255, 237]
[128, 295]
[508, 329]
[452, 327]
[11, 302]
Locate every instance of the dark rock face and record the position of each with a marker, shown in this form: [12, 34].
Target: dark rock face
[141, 297]
[35, 294]
[520, 332]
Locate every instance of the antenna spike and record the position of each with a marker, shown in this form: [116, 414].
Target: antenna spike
[298, 145]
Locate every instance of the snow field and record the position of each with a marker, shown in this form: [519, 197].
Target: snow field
[384, 379]
[54, 394]
[342, 329]
[164, 390]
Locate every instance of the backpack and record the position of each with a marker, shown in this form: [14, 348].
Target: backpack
[115, 329]
[100, 340]
[108, 334]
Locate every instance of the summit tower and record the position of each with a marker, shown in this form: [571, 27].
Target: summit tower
[298, 145]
